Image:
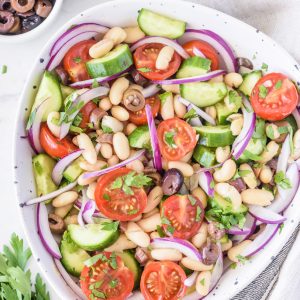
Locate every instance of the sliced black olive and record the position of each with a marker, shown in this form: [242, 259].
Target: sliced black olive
[7, 21]
[172, 181]
[17, 25]
[62, 74]
[5, 5]
[210, 252]
[31, 22]
[245, 62]
[22, 6]
[43, 8]
[138, 78]
[56, 223]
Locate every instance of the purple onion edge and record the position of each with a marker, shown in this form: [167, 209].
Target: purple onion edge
[265, 221]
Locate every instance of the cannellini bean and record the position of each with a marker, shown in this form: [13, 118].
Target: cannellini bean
[151, 213]
[137, 235]
[106, 150]
[120, 113]
[112, 123]
[185, 168]
[195, 265]
[63, 210]
[121, 145]
[100, 164]
[122, 243]
[85, 181]
[200, 194]
[150, 224]
[90, 192]
[154, 235]
[117, 90]
[211, 110]
[164, 57]
[167, 106]
[174, 88]
[65, 199]
[203, 282]
[164, 164]
[273, 129]
[226, 172]
[89, 152]
[136, 165]
[101, 48]
[105, 104]
[154, 198]
[74, 140]
[249, 178]
[236, 126]
[257, 197]
[234, 253]
[133, 34]
[71, 220]
[233, 79]
[296, 142]
[135, 87]
[222, 154]
[114, 160]
[166, 254]
[187, 157]
[201, 236]
[52, 117]
[116, 34]
[130, 128]
[180, 109]
[266, 174]
[270, 151]
[137, 218]
[226, 246]
[226, 190]
[233, 117]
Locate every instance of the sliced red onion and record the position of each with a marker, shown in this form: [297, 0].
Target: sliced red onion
[209, 168]
[247, 104]
[57, 172]
[31, 142]
[235, 230]
[74, 31]
[191, 279]
[161, 40]
[198, 110]
[205, 182]
[150, 90]
[265, 215]
[197, 52]
[88, 211]
[84, 98]
[198, 78]
[296, 115]
[80, 214]
[249, 223]
[50, 195]
[137, 155]
[196, 122]
[157, 162]
[182, 246]
[69, 281]
[96, 214]
[217, 42]
[44, 231]
[261, 240]
[96, 116]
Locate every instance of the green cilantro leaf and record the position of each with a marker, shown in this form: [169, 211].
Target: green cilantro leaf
[127, 189]
[78, 119]
[282, 181]
[94, 259]
[113, 261]
[243, 173]
[132, 212]
[242, 259]
[169, 139]
[106, 197]
[137, 180]
[190, 115]
[264, 67]
[263, 91]
[76, 129]
[98, 294]
[95, 84]
[259, 132]
[106, 129]
[160, 231]
[144, 70]
[171, 229]
[278, 84]
[192, 199]
[113, 283]
[110, 226]
[40, 289]
[77, 60]
[198, 213]
[283, 129]
[270, 132]
[117, 184]
[202, 281]
[235, 98]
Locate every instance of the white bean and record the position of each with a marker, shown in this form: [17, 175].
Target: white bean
[274, 131]
[136, 165]
[105, 104]
[121, 145]
[71, 220]
[150, 224]
[85, 181]
[211, 110]
[154, 198]
[120, 113]
[100, 164]
[112, 123]
[257, 197]
[236, 126]
[266, 174]
[90, 192]
[51, 119]
[167, 106]
[154, 235]
[195, 265]
[174, 88]
[65, 199]
[106, 150]
[137, 218]
[116, 34]
[234, 253]
[201, 236]
[130, 128]
[151, 213]
[203, 283]
[133, 34]
[166, 254]
[114, 160]
[226, 246]
[89, 152]
[101, 48]
[226, 172]
[63, 210]
[270, 151]
[164, 57]
[200, 194]
[137, 235]
[74, 140]
[122, 243]
[249, 178]
[117, 90]
[296, 143]
[226, 190]
[185, 168]
[135, 87]
[233, 79]
[222, 154]
[180, 109]
[187, 157]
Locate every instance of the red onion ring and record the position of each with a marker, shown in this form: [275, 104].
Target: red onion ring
[191, 279]
[88, 211]
[199, 53]
[205, 181]
[265, 215]
[249, 223]
[150, 90]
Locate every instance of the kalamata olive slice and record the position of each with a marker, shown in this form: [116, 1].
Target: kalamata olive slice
[245, 62]
[133, 100]
[56, 223]
[31, 22]
[210, 252]
[5, 5]
[172, 181]
[43, 8]
[17, 25]
[7, 21]
[22, 6]
[138, 78]
[62, 74]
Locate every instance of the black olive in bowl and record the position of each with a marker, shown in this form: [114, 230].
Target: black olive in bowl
[172, 181]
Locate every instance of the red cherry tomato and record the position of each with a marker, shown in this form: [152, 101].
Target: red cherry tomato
[85, 113]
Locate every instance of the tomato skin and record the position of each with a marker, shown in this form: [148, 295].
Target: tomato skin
[165, 270]
[179, 210]
[280, 100]
[85, 114]
[123, 276]
[145, 57]
[184, 138]
[75, 59]
[53, 145]
[139, 117]
[115, 207]
[208, 50]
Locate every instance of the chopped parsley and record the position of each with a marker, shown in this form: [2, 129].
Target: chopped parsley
[113, 261]
[190, 115]
[169, 139]
[160, 231]
[242, 259]
[281, 228]
[95, 84]
[282, 181]
[243, 173]
[198, 214]
[110, 226]
[77, 59]
[202, 281]
[77, 120]
[192, 199]
[94, 259]
[259, 132]
[167, 222]
[106, 129]
[144, 70]
[264, 67]
[113, 283]
[132, 212]
[4, 69]
[76, 129]
[278, 84]
[117, 184]
[98, 294]
[235, 98]
[106, 197]
[283, 129]
[263, 91]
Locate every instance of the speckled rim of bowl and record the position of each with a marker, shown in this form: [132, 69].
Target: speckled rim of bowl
[265, 50]
[19, 38]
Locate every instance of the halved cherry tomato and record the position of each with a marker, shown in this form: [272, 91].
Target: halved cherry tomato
[185, 214]
[75, 59]
[163, 280]
[108, 279]
[139, 117]
[176, 138]
[145, 58]
[115, 203]
[85, 113]
[53, 145]
[274, 97]
[208, 50]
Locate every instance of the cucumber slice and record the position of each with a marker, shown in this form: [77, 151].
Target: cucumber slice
[140, 138]
[204, 156]
[255, 147]
[132, 264]
[215, 136]
[92, 236]
[73, 257]
[225, 205]
[249, 82]
[193, 66]
[157, 25]
[49, 89]
[113, 62]
[42, 170]
[66, 91]
[73, 171]
[203, 94]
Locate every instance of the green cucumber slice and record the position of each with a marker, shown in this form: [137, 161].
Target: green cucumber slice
[113, 62]
[203, 94]
[193, 66]
[249, 82]
[66, 91]
[157, 25]
[204, 156]
[254, 148]
[73, 171]
[140, 138]
[225, 205]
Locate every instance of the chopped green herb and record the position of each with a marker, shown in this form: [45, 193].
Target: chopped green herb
[4, 69]
[251, 156]
[263, 91]
[94, 259]
[160, 231]
[278, 84]
[192, 199]
[169, 139]
[212, 184]
[259, 132]
[137, 180]
[233, 266]
[282, 181]
[198, 213]
[95, 84]
[244, 173]
[113, 283]
[190, 115]
[270, 132]
[170, 229]
[78, 119]
[113, 261]
[110, 226]
[235, 98]
[106, 129]
[264, 67]
[132, 212]
[144, 70]
[242, 259]
[281, 228]
[99, 294]
[202, 281]
[98, 284]
[117, 184]
[106, 197]
[283, 129]
[77, 60]
[76, 129]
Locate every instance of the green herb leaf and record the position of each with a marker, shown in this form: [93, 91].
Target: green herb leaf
[94, 259]
[242, 259]
[78, 119]
[263, 91]
[106, 129]
[99, 294]
[259, 132]
[281, 228]
[144, 70]
[251, 156]
[244, 173]
[160, 231]
[76, 129]
[169, 139]
[106, 197]
[77, 59]
[137, 180]
[190, 115]
[95, 84]
[270, 132]
[192, 199]
[110, 226]
[198, 213]
[171, 229]
[264, 67]
[235, 98]
[113, 283]
[202, 281]
[40, 289]
[127, 190]
[117, 184]
[282, 181]
[4, 69]
[113, 261]
[278, 84]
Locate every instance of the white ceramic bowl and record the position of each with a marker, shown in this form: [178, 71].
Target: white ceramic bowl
[245, 40]
[18, 38]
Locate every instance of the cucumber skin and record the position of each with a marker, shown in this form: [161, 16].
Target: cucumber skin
[215, 139]
[247, 85]
[204, 156]
[224, 204]
[140, 133]
[198, 66]
[73, 171]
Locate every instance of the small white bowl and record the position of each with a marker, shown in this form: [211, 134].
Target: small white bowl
[22, 37]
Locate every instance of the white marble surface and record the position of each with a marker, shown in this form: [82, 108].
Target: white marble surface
[279, 19]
